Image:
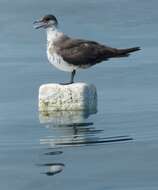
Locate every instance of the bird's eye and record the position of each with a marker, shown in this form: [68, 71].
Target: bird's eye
[46, 19]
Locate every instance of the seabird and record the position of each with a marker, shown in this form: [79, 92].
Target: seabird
[70, 54]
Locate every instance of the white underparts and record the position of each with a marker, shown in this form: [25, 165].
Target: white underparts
[59, 63]
[56, 60]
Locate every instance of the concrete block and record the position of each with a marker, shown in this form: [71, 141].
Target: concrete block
[73, 97]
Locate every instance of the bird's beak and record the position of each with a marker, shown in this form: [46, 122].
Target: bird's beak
[39, 24]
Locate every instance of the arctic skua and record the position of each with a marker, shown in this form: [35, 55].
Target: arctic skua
[70, 54]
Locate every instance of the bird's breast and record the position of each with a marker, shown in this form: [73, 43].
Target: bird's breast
[56, 60]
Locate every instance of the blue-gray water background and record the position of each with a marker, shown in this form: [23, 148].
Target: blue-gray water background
[127, 96]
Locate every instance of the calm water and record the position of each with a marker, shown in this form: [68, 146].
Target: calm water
[115, 149]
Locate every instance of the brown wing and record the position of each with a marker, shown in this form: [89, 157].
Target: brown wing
[82, 52]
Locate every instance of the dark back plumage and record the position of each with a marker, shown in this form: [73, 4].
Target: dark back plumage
[87, 53]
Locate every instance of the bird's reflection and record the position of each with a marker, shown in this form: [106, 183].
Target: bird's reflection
[71, 128]
[68, 129]
[53, 168]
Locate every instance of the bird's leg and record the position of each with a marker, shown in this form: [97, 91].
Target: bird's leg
[72, 78]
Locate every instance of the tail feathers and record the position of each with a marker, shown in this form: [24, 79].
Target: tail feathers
[127, 51]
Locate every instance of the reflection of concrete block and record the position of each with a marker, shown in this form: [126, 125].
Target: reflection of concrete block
[77, 96]
[58, 118]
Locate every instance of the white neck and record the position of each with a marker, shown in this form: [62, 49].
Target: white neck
[53, 34]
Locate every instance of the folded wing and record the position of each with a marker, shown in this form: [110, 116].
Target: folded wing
[82, 52]
[87, 53]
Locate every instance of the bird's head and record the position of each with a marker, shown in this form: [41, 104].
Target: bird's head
[48, 21]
